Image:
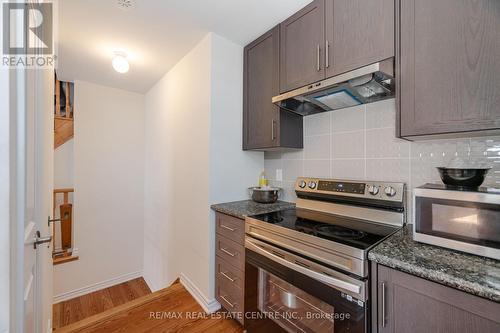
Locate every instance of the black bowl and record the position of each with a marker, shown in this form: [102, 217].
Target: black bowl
[463, 177]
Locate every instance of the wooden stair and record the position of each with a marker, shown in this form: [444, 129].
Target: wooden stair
[63, 130]
[121, 310]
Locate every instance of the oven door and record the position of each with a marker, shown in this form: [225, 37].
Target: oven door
[464, 221]
[285, 292]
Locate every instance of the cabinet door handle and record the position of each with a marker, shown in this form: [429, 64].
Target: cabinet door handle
[225, 300]
[227, 277]
[273, 131]
[383, 304]
[327, 54]
[227, 228]
[227, 252]
[318, 59]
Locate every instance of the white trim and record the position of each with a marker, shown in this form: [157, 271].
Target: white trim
[96, 286]
[28, 287]
[208, 305]
[49, 326]
[28, 231]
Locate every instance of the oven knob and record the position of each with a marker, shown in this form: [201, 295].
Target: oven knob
[312, 185]
[390, 191]
[373, 190]
[302, 184]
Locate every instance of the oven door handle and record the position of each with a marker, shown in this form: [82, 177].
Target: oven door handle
[329, 280]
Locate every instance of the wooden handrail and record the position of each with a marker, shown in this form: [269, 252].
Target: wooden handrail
[64, 190]
[66, 233]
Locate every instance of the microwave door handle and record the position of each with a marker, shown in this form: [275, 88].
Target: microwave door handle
[334, 282]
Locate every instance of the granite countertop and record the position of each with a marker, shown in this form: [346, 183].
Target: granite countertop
[476, 275]
[243, 208]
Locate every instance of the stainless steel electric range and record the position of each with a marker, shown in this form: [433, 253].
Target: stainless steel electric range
[306, 268]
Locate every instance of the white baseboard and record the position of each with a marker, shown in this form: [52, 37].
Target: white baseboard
[150, 284]
[96, 286]
[208, 305]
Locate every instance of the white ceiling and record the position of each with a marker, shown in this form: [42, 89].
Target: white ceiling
[156, 34]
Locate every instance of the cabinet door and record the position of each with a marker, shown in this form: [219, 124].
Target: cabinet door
[358, 33]
[415, 305]
[261, 77]
[450, 66]
[302, 47]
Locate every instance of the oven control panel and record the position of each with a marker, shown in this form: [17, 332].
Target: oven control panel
[387, 191]
[334, 186]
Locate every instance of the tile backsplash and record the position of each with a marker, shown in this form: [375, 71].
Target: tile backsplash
[360, 143]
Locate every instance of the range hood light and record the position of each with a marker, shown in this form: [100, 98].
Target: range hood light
[364, 85]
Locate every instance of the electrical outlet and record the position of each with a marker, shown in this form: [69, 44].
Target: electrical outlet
[279, 175]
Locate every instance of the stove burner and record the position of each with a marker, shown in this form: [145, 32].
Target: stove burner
[338, 231]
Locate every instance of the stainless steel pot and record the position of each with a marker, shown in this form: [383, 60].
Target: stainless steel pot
[264, 194]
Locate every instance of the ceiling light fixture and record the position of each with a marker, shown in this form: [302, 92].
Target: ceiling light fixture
[126, 4]
[120, 62]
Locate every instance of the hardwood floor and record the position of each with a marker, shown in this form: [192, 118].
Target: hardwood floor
[168, 310]
[79, 308]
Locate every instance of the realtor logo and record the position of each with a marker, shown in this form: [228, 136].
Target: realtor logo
[27, 34]
[27, 28]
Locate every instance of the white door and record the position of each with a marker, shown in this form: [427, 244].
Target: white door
[31, 194]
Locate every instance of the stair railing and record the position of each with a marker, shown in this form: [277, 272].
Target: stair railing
[68, 91]
[66, 220]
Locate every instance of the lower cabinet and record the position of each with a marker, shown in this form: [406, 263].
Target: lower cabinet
[230, 264]
[403, 303]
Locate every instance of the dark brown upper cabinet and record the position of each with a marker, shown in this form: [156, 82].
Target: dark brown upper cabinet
[449, 68]
[358, 33]
[330, 37]
[302, 47]
[265, 126]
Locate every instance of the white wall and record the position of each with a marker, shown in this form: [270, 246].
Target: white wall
[176, 164]
[64, 165]
[108, 181]
[193, 158]
[4, 201]
[232, 170]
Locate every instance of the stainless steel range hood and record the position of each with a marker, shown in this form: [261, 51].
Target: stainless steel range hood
[364, 85]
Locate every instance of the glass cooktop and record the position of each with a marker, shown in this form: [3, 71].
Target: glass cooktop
[349, 231]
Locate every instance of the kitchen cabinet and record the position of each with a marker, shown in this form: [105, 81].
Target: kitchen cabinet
[323, 39]
[330, 37]
[358, 33]
[230, 263]
[403, 303]
[302, 46]
[265, 126]
[449, 68]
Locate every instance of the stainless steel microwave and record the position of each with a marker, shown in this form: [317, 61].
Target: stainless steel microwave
[466, 220]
